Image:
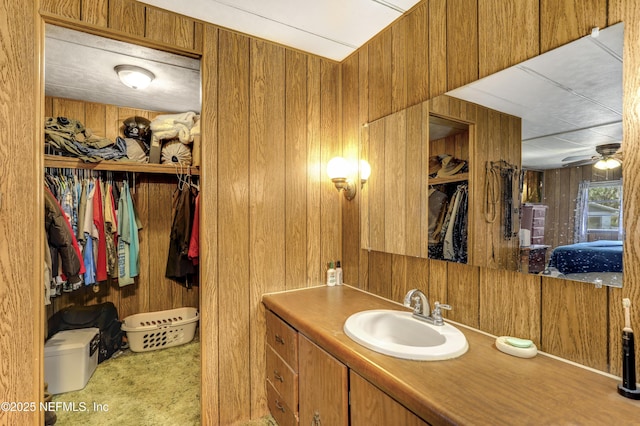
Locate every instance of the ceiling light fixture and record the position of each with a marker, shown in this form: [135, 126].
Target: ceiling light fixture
[607, 164]
[133, 76]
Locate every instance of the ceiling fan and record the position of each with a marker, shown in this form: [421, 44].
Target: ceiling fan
[609, 156]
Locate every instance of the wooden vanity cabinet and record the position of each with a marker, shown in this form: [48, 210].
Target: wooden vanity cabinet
[282, 370]
[308, 386]
[372, 407]
[304, 383]
[324, 389]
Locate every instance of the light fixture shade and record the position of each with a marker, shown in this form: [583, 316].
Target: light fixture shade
[133, 76]
[365, 170]
[613, 163]
[600, 165]
[607, 164]
[338, 168]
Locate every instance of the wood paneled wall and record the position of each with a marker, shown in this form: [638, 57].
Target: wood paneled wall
[129, 18]
[276, 125]
[325, 104]
[466, 40]
[21, 212]
[152, 196]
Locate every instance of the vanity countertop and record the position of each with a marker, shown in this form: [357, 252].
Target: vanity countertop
[482, 387]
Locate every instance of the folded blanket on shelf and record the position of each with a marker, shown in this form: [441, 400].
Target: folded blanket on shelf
[169, 126]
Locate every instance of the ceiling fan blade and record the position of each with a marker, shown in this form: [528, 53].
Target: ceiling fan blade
[582, 162]
[579, 158]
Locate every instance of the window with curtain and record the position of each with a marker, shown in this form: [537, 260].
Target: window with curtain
[599, 211]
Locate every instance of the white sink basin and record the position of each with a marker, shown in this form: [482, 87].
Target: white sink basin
[399, 334]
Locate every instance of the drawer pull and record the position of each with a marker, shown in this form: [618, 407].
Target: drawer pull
[277, 375]
[316, 419]
[279, 339]
[278, 406]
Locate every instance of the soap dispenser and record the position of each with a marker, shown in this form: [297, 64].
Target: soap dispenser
[331, 275]
[338, 273]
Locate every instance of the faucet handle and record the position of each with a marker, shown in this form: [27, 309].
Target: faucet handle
[417, 305]
[437, 313]
[437, 306]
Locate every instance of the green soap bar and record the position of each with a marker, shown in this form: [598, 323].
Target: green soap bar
[519, 343]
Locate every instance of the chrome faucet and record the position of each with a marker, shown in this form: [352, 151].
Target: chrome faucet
[421, 308]
[420, 302]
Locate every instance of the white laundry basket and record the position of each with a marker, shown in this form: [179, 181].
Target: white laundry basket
[161, 329]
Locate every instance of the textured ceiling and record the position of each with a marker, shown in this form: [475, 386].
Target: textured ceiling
[329, 28]
[570, 99]
[80, 66]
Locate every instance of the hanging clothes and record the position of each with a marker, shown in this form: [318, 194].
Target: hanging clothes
[448, 249]
[134, 242]
[111, 231]
[194, 241]
[82, 209]
[449, 238]
[438, 202]
[124, 239]
[98, 222]
[48, 273]
[89, 258]
[62, 240]
[90, 203]
[179, 266]
[460, 227]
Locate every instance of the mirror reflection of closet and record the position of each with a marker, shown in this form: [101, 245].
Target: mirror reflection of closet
[81, 84]
[447, 203]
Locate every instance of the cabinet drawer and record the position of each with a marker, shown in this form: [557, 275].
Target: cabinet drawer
[539, 211]
[282, 377]
[283, 339]
[538, 222]
[279, 409]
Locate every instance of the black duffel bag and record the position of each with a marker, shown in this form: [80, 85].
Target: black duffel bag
[103, 316]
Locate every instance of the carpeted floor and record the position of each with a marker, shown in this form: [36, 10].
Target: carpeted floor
[160, 387]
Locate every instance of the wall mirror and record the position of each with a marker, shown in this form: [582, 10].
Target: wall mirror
[569, 101]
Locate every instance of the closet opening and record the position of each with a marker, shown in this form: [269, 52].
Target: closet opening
[448, 189]
[121, 150]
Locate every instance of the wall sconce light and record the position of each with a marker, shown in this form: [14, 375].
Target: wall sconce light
[607, 164]
[134, 77]
[338, 170]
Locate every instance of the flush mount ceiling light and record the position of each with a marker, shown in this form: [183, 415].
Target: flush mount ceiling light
[133, 76]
